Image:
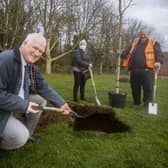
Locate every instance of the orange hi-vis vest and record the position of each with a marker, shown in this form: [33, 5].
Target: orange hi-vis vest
[149, 54]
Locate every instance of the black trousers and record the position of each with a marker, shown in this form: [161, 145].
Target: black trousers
[79, 82]
[142, 79]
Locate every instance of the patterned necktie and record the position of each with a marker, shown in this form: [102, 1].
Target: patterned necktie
[26, 83]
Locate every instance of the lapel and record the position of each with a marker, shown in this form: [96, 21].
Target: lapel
[18, 69]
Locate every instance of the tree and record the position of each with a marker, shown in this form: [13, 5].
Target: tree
[121, 12]
[131, 30]
[12, 17]
[85, 15]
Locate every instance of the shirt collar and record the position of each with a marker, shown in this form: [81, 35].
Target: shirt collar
[22, 58]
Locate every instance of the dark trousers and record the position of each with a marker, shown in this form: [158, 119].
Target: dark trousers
[142, 79]
[79, 82]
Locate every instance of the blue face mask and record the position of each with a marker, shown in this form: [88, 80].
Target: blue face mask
[82, 47]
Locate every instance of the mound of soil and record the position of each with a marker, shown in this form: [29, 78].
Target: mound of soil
[99, 119]
[49, 117]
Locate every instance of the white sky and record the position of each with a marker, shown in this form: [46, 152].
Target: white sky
[153, 13]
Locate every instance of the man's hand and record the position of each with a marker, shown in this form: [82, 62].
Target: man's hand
[156, 67]
[31, 108]
[90, 66]
[66, 109]
[119, 52]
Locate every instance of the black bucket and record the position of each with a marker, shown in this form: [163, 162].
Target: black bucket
[117, 99]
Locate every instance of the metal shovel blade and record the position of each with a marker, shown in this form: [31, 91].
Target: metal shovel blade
[72, 113]
[152, 108]
[98, 101]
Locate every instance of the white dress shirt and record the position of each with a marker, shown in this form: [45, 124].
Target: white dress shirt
[23, 62]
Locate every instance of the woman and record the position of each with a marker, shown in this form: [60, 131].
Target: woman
[80, 64]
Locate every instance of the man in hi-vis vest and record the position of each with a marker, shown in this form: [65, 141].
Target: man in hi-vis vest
[141, 57]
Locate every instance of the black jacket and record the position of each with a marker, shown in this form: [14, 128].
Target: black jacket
[81, 59]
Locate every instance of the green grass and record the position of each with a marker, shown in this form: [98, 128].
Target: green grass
[145, 147]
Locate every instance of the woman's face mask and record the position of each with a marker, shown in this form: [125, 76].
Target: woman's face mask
[83, 47]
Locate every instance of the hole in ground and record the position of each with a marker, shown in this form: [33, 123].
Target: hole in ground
[99, 119]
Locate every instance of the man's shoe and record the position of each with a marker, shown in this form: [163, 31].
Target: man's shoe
[36, 139]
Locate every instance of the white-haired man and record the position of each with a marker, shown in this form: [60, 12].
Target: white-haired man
[143, 55]
[22, 87]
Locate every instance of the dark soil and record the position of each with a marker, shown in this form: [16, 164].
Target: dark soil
[100, 119]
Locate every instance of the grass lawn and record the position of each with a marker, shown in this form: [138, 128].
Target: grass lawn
[145, 147]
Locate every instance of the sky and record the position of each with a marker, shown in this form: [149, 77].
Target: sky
[153, 13]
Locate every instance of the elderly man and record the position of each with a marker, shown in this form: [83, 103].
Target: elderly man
[22, 87]
[141, 58]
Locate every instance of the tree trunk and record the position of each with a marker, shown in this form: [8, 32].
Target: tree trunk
[48, 56]
[119, 48]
